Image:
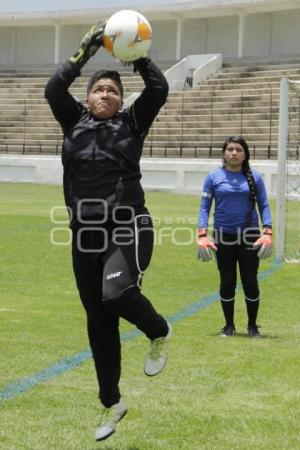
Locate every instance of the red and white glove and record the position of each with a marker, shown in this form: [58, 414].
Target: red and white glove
[205, 246]
[265, 244]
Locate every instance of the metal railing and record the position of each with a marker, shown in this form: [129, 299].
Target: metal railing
[213, 145]
[30, 149]
[182, 148]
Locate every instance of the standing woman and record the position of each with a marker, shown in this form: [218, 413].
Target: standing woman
[236, 190]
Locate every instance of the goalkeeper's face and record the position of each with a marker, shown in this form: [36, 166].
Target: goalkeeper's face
[104, 99]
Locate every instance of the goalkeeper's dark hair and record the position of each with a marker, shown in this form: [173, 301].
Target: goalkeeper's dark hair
[111, 74]
[245, 169]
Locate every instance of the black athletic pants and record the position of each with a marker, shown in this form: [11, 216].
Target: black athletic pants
[233, 250]
[109, 261]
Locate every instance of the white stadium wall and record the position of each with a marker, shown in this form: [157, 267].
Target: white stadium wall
[273, 34]
[222, 35]
[211, 35]
[161, 174]
[34, 48]
[69, 40]
[285, 32]
[269, 33]
[258, 35]
[163, 47]
[6, 46]
[193, 37]
[26, 45]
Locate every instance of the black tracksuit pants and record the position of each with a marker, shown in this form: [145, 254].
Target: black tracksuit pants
[237, 250]
[109, 261]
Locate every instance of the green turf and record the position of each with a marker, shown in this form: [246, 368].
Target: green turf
[214, 394]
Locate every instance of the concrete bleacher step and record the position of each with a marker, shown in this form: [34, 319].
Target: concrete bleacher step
[223, 101]
[221, 109]
[207, 95]
[195, 127]
[219, 134]
[195, 122]
[205, 150]
[222, 116]
[170, 134]
[32, 130]
[273, 83]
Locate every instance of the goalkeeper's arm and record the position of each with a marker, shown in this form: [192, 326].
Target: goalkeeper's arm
[154, 95]
[66, 109]
[90, 43]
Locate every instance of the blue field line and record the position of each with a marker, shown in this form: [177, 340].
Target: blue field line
[25, 384]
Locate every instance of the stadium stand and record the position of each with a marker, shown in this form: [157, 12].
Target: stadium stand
[240, 99]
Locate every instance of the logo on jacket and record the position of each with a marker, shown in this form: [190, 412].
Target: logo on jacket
[113, 275]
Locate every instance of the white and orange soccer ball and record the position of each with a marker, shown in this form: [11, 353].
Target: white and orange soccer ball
[127, 35]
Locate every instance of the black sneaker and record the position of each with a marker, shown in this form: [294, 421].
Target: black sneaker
[253, 331]
[228, 330]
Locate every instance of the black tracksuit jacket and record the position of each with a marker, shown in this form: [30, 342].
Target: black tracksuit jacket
[101, 157]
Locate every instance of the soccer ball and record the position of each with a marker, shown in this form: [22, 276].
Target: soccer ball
[127, 35]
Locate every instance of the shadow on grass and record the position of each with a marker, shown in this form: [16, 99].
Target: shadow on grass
[262, 336]
[244, 335]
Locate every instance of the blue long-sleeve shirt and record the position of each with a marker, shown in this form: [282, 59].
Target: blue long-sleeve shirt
[230, 191]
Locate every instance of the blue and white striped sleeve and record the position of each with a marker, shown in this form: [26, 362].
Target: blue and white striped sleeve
[206, 202]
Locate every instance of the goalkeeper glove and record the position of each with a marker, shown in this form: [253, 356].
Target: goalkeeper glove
[265, 244]
[205, 246]
[90, 43]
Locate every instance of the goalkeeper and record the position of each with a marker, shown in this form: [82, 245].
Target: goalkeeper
[236, 189]
[112, 229]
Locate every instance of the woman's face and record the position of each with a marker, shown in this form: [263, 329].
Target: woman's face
[234, 155]
[105, 99]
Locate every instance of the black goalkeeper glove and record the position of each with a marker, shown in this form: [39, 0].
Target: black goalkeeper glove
[90, 43]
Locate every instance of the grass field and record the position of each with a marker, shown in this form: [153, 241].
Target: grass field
[215, 393]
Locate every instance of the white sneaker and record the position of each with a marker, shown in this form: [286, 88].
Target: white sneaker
[110, 417]
[157, 357]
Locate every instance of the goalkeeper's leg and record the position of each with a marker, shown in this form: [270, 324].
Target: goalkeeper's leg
[248, 264]
[123, 270]
[102, 325]
[227, 260]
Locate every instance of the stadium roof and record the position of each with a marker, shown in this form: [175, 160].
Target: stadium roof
[56, 11]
